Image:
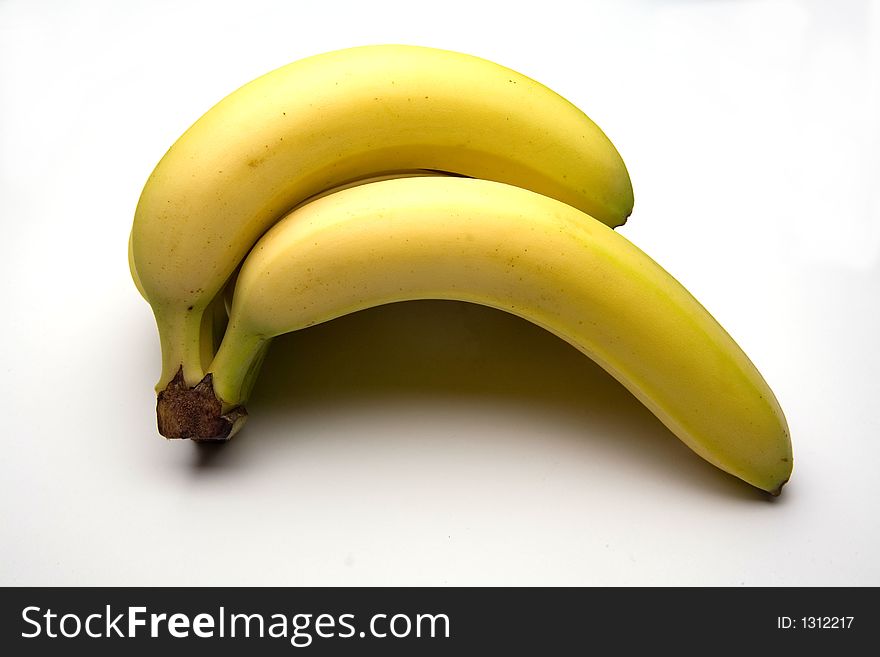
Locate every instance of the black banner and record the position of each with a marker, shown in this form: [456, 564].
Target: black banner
[402, 621]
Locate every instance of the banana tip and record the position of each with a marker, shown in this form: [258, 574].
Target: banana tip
[778, 490]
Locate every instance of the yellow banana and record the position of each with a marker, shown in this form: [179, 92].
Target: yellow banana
[329, 119]
[509, 248]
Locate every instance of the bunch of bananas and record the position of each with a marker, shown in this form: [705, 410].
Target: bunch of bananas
[387, 173]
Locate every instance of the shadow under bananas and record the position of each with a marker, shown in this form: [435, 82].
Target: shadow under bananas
[447, 349]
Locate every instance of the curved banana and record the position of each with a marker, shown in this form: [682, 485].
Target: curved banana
[512, 249]
[325, 120]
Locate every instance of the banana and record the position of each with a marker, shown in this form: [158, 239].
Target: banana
[334, 118]
[502, 246]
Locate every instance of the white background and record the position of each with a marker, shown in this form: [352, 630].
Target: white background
[439, 443]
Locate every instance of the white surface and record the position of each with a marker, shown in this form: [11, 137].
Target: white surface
[439, 443]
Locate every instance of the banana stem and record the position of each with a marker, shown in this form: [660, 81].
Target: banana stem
[181, 335]
[186, 404]
[235, 367]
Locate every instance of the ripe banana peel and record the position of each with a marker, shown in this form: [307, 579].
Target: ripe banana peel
[509, 248]
[321, 122]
